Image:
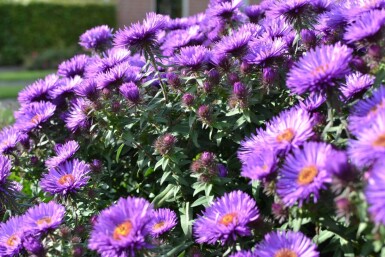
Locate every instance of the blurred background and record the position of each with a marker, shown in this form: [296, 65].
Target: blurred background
[37, 35]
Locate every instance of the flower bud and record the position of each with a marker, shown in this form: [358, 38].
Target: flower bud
[213, 77]
[269, 75]
[204, 113]
[188, 99]
[131, 92]
[309, 38]
[173, 80]
[239, 90]
[165, 143]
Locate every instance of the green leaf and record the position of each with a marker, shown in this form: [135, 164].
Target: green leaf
[118, 152]
[159, 163]
[185, 220]
[149, 171]
[165, 176]
[165, 163]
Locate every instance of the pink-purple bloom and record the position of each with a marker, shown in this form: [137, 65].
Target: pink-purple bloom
[44, 217]
[68, 177]
[121, 229]
[77, 116]
[9, 137]
[31, 116]
[74, 66]
[259, 164]
[192, 57]
[286, 243]
[162, 221]
[304, 173]
[356, 83]
[97, 38]
[265, 50]
[375, 192]
[319, 68]
[11, 234]
[63, 153]
[226, 219]
[5, 169]
[131, 92]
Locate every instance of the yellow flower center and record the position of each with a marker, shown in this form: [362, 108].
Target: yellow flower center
[66, 179]
[380, 141]
[45, 220]
[320, 69]
[35, 119]
[122, 230]
[158, 225]
[307, 175]
[228, 219]
[285, 253]
[287, 135]
[12, 240]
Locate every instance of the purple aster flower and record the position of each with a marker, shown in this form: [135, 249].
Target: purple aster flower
[259, 164]
[74, 66]
[309, 38]
[5, 169]
[121, 230]
[31, 116]
[33, 244]
[131, 92]
[97, 38]
[289, 130]
[222, 170]
[77, 117]
[9, 137]
[110, 59]
[63, 153]
[320, 6]
[356, 83]
[39, 90]
[269, 75]
[234, 45]
[367, 26]
[319, 68]
[370, 144]
[141, 36]
[44, 217]
[66, 88]
[88, 89]
[225, 10]
[226, 219]
[265, 51]
[254, 12]
[277, 27]
[305, 173]
[313, 101]
[285, 244]
[375, 191]
[193, 57]
[66, 178]
[118, 75]
[11, 233]
[290, 9]
[163, 220]
[243, 254]
[365, 111]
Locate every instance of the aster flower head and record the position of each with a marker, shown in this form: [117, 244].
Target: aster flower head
[265, 50]
[226, 219]
[224, 10]
[31, 116]
[165, 143]
[367, 26]
[305, 173]
[309, 38]
[188, 99]
[283, 244]
[290, 129]
[131, 92]
[32, 243]
[370, 144]
[319, 68]
[193, 58]
[11, 234]
[68, 177]
[97, 38]
[66, 88]
[88, 89]
[313, 101]
[39, 90]
[276, 27]
[74, 66]
[5, 169]
[9, 137]
[162, 221]
[254, 12]
[290, 9]
[121, 230]
[63, 153]
[356, 83]
[234, 45]
[364, 112]
[77, 117]
[118, 75]
[259, 164]
[44, 217]
[375, 191]
[141, 36]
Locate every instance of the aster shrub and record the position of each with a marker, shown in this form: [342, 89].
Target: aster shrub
[240, 131]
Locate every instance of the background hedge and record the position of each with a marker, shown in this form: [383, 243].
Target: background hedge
[29, 29]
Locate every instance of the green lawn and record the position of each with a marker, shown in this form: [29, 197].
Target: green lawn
[7, 92]
[23, 75]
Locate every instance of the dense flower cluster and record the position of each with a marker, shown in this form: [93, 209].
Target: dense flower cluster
[242, 131]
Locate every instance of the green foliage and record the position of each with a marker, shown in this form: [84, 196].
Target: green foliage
[26, 29]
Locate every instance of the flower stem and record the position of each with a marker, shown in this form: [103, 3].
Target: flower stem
[153, 62]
